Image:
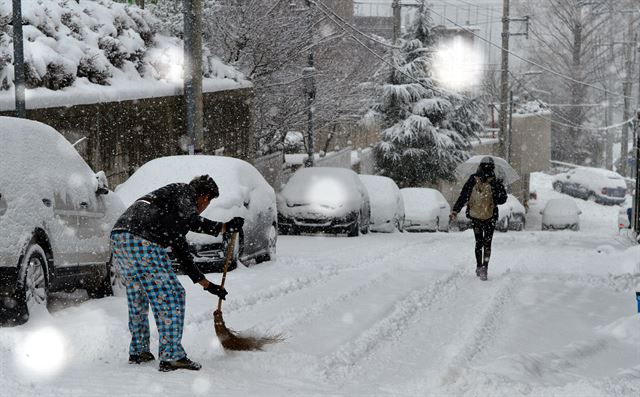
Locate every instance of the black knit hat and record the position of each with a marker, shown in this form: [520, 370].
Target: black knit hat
[205, 185]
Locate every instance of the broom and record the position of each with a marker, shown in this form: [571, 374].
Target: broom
[229, 339]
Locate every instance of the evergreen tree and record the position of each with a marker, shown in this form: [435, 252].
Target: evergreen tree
[426, 129]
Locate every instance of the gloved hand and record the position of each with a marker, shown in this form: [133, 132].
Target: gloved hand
[234, 225]
[217, 290]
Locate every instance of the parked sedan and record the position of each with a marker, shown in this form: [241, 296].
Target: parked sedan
[55, 218]
[560, 214]
[324, 199]
[387, 205]
[593, 184]
[426, 210]
[243, 192]
[511, 216]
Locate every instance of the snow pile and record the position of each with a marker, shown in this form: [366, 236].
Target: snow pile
[79, 47]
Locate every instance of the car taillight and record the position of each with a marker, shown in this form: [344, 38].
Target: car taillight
[604, 191]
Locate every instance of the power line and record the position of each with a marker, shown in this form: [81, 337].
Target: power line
[381, 58]
[569, 123]
[532, 62]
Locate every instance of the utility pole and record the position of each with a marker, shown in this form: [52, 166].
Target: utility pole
[309, 78]
[397, 20]
[18, 60]
[630, 47]
[636, 202]
[193, 74]
[504, 80]
[609, 110]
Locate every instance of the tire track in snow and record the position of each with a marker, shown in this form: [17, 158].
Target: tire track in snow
[391, 327]
[483, 332]
[292, 285]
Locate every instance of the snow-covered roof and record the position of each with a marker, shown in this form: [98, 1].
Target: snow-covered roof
[98, 51]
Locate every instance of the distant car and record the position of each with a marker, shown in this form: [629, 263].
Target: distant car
[593, 184]
[624, 215]
[387, 205]
[243, 192]
[426, 210]
[324, 199]
[562, 213]
[55, 218]
[511, 216]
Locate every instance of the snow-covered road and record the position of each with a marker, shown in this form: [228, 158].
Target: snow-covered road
[383, 314]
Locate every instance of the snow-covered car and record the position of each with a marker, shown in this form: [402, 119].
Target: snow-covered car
[593, 184]
[324, 199]
[425, 210]
[55, 218]
[562, 213]
[243, 192]
[511, 216]
[387, 205]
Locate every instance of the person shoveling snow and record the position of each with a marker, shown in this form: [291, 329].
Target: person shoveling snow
[154, 222]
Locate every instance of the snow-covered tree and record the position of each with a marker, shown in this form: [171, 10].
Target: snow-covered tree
[425, 129]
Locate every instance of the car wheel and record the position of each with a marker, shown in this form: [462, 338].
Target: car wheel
[32, 292]
[355, 228]
[272, 236]
[557, 187]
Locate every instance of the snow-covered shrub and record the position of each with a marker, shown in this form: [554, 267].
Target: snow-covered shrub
[113, 50]
[95, 68]
[57, 78]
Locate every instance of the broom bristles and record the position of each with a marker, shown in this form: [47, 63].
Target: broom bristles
[230, 340]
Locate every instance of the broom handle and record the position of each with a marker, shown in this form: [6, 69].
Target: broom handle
[227, 260]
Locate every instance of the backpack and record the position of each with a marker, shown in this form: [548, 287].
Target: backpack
[481, 200]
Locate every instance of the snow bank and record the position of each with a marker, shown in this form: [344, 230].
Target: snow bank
[96, 51]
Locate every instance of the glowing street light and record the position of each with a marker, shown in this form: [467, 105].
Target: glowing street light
[457, 65]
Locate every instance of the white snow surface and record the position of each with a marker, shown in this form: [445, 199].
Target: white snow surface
[397, 314]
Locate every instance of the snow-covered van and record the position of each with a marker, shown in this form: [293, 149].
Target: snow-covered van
[55, 218]
[594, 184]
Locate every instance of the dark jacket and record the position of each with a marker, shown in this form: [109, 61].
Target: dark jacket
[497, 188]
[164, 217]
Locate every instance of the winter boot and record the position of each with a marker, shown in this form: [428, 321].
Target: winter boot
[141, 358]
[183, 363]
[482, 272]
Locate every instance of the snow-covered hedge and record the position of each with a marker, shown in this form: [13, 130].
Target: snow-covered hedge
[101, 41]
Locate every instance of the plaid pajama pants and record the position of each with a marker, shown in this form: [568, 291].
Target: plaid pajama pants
[146, 270]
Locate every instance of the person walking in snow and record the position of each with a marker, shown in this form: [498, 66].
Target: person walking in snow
[482, 193]
[139, 242]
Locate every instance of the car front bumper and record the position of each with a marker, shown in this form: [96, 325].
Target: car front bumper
[311, 225]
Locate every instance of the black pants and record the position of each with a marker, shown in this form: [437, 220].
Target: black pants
[483, 231]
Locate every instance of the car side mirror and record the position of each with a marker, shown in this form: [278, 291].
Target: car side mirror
[579, 212]
[102, 183]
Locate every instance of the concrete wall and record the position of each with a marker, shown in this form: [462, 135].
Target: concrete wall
[124, 135]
